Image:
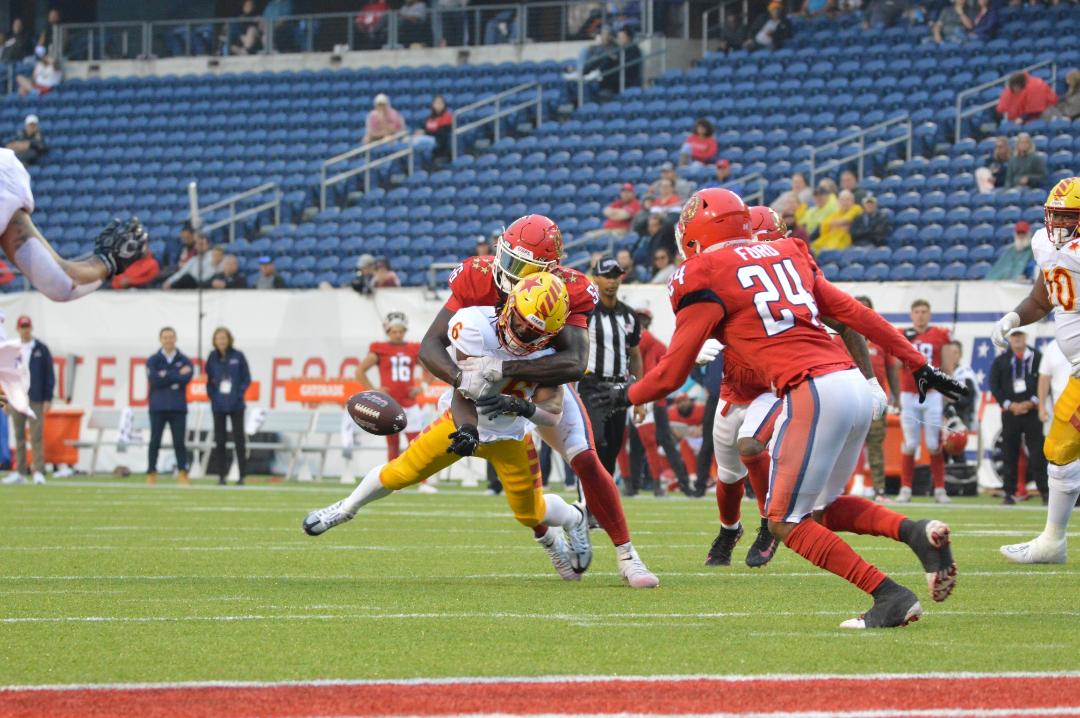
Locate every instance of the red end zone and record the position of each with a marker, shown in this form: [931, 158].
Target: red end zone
[927, 695]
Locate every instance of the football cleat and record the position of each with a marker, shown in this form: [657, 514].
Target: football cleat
[555, 547]
[322, 520]
[426, 488]
[894, 606]
[941, 497]
[14, 478]
[764, 547]
[930, 541]
[722, 546]
[578, 543]
[39, 478]
[904, 497]
[1038, 550]
[634, 571]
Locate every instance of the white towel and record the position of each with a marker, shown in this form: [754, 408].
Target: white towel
[348, 434]
[15, 378]
[126, 431]
[253, 421]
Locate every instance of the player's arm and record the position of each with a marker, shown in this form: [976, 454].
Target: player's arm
[59, 279]
[855, 344]
[693, 325]
[464, 441]
[1034, 307]
[1044, 395]
[366, 363]
[892, 371]
[433, 354]
[565, 366]
[545, 408]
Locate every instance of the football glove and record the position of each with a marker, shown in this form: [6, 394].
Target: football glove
[881, 401]
[610, 398]
[929, 377]
[709, 351]
[499, 404]
[1005, 325]
[120, 244]
[464, 441]
[471, 383]
[489, 368]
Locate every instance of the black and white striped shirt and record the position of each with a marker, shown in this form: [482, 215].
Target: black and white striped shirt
[612, 333]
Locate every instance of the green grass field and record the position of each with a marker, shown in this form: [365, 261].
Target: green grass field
[107, 582]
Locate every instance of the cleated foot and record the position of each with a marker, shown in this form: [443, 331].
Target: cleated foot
[930, 541]
[555, 546]
[1038, 550]
[722, 546]
[764, 547]
[904, 497]
[894, 606]
[634, 571]
[578, 543]
[322, 520]
[941, 497]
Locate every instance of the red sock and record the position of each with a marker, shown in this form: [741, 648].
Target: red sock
[907, 470]
[826, 550]
[729, 500]
[393, 446]
[758, 467]
[540, 531]
[857, 515]
[601, 495]
[937, 470]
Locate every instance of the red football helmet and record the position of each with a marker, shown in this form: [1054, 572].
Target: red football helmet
[955, 435]
[532, 243]
[767, 224]
[710, 217]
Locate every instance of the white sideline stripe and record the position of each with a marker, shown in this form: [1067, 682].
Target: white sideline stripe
[550, 679]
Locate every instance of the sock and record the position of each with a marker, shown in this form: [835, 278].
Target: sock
[1063, 493]
[937, 469]
[907, 470]
[560, 513]
[601, 495]
[624, 549]
[826, 550]
[757, 467]
[393, 447]
[369, 489]
[857, 515]
[540, 531]
[729, 499]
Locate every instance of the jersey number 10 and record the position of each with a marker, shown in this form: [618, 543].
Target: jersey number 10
[784, 274]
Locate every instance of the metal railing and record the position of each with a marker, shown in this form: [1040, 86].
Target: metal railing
[721, 11]
[500, 112]
[743, 183]
[199, 213]
[435, 268]
[621, 68]
[406, 151]
[961, 113]
[860, 135]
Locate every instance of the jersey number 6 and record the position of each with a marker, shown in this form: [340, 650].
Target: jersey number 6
[1059, 285]
[794, 294]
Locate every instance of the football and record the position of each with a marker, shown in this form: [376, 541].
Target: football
[376, 413]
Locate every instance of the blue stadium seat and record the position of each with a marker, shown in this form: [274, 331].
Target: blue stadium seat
[905, 254]
[979, 270]
[877, 272]
[928, 272]
[982, 253]
[902, 272]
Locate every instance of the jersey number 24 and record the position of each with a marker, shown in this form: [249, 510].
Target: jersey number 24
[780, 292]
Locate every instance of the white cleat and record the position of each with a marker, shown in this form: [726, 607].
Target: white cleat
[1038, 550]
[904, 497]
[39, 478]
[14, 478]
[941, 497]
[426, 488]
[555, 547]
[634, 571]
[63, 472]
[578, 543]
[322, 520]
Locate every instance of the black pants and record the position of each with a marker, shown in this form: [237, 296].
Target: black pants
[705, 456]
[177, 421]
[666, 441]
[1028, 429]
[639, 464]
[221, 437]
[609, 433]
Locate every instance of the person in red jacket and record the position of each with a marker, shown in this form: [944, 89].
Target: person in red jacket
[700, 145]
[141, 273]
[1025, 98]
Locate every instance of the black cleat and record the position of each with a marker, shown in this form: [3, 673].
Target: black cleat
[722, 546]
[929, 539]
[894, 606]
[764, 547]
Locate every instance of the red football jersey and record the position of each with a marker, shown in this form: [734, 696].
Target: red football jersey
[740, 384]
[696, 417]
[762, 301]
[472, 284]
[397, 368]
[928, 343]
[652, 350]
[878, 361]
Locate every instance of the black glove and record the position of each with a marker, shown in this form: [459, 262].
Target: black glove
[120, 244]
[497, 404]
[929, 377]
[610, 398]
[464, 441]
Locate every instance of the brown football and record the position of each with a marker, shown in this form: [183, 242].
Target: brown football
[376, 413]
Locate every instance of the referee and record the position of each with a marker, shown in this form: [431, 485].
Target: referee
[614, 357]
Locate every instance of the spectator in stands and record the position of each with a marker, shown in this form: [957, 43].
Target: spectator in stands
[870, 228]
[1069, 106]
[168, 372]
[141, 273]
[811, 217]
[45, 77]
[383, 276]
[364, 281]
[850, 182]
[683, 188]
[268, 276]
[631, 59]
[413, 26]
[620, 213]
[950, 25]
[883, 13]
[45, 39]
[836, 228]
[17, 45]
[37, 360]
[1016, 262]
[227, 378]
[29, 144]
[1027, 168]
[1025, 98]
[371, 24]
[796, 229]
[502, 28]
[658, 234]
[245, 36]
[985, 23]
[799, 194]
[666, 201]
[998, 164]
[700, 145]
[633, 273]
[771, 29]
[228, 276]
[383, 120]
[438, 126]
[197, 270]
[596, 56]
[817, 8]
[483, 248]
[733, 34]
[663, 266]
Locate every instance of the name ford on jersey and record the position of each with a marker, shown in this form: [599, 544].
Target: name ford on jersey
[756, 251]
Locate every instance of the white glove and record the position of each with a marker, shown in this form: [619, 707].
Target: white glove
[1075, 371]
[709, 351]
[488, 367]
[472, 384]
[1005, 325]
[877, 394]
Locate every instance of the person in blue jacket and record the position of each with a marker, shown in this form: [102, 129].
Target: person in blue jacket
[168, 372]
[227, 378]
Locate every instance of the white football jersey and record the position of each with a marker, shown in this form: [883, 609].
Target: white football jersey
[1061, 272]
[472, 332]
[15, 191]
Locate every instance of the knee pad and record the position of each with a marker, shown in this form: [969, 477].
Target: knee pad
[1064, 477]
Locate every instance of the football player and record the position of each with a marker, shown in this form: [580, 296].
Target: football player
[496, 427]
[533, 244]
[763, 300]
[922, 419]
[1055, 248]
